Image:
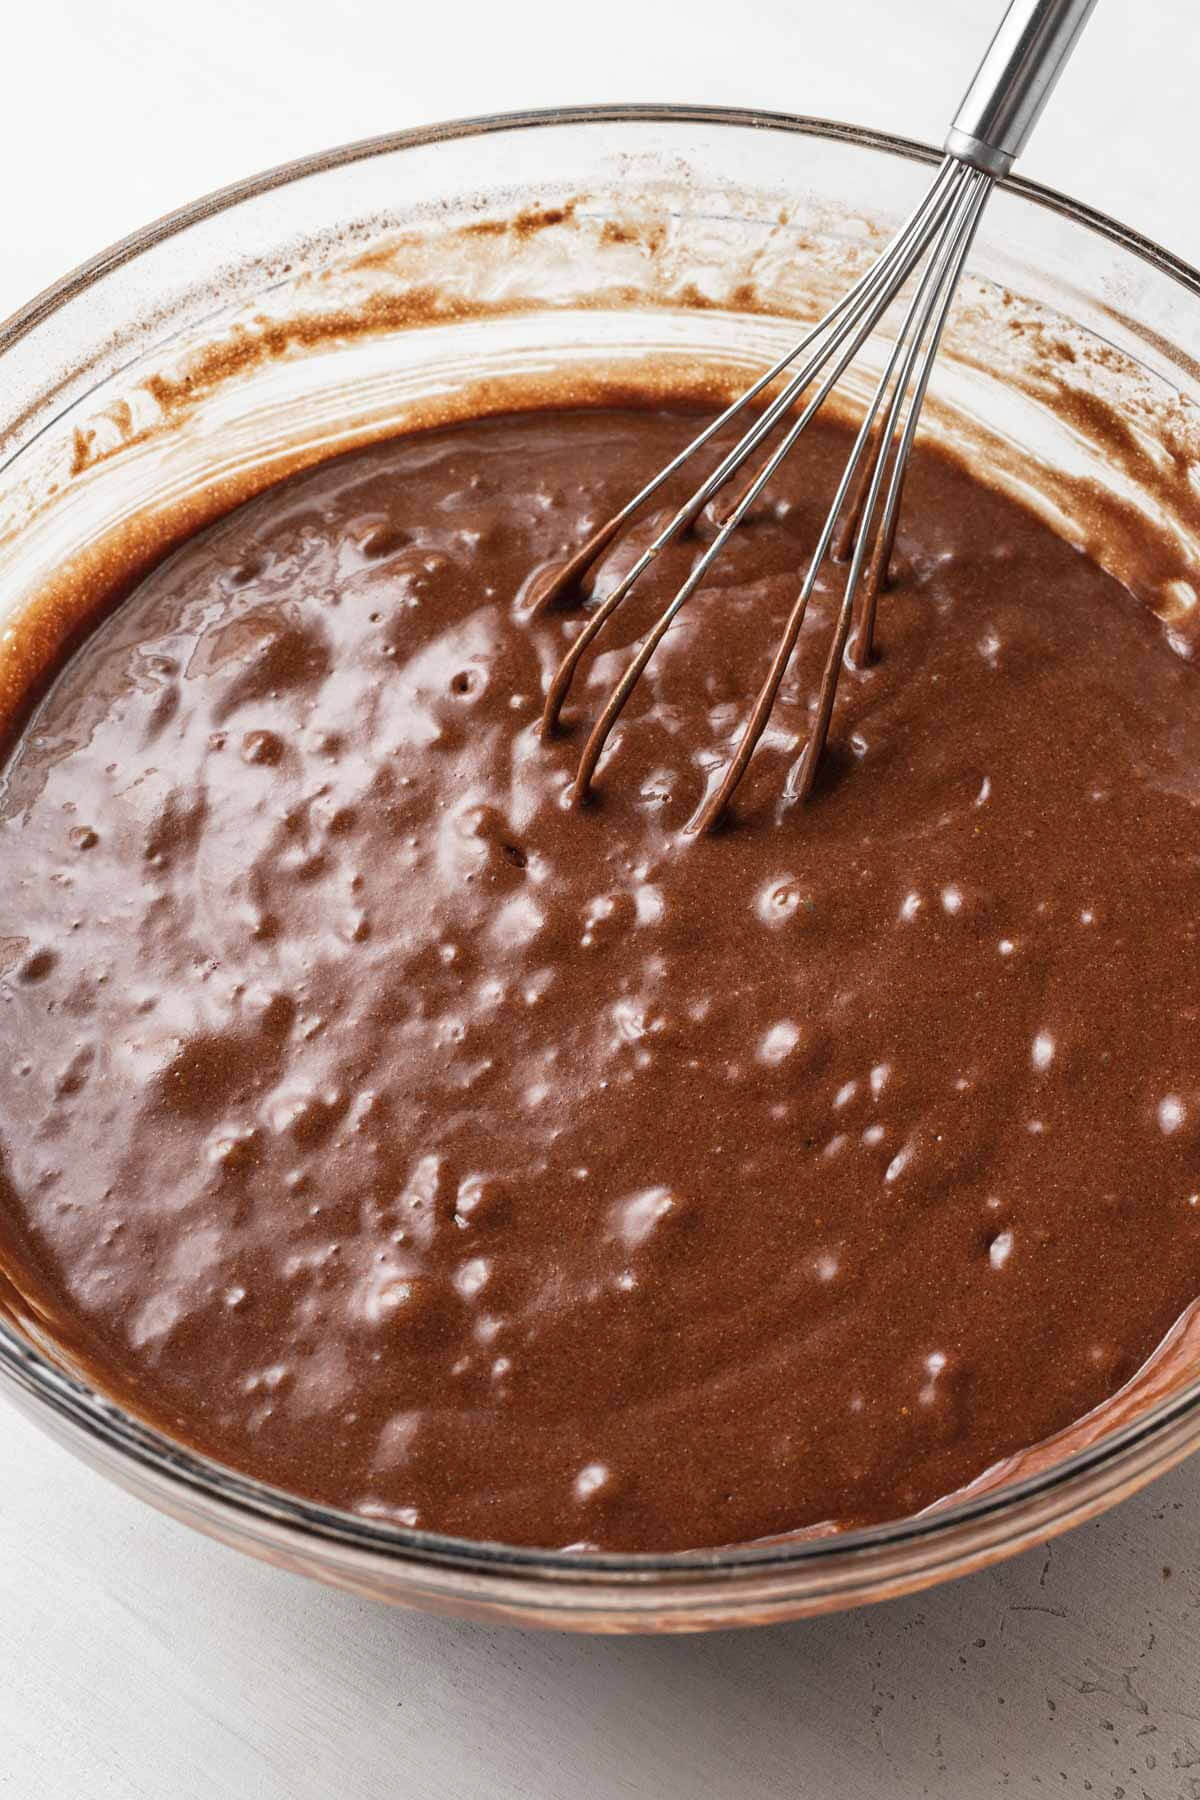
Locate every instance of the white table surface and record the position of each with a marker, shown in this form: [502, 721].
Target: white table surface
[140, 1661]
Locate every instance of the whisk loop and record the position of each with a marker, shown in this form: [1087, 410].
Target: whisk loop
[1001, 106]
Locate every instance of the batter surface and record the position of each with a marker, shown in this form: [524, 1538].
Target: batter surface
[388, 1129]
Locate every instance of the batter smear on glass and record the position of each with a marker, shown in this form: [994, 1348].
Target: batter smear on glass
[386, 1127]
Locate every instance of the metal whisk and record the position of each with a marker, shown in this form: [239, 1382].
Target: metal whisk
[991, 127]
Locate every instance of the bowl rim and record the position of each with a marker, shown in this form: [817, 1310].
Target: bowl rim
[221, 199]
[89, 1411]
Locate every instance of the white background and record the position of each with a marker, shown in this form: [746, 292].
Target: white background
[139, 1661]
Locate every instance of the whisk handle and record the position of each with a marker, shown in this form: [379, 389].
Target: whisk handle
[1014, 81]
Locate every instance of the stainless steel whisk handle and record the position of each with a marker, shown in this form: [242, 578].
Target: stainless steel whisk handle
[1014, 81]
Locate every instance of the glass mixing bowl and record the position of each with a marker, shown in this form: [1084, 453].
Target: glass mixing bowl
[487, 264]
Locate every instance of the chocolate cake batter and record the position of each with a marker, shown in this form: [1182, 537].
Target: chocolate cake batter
[386, 1127]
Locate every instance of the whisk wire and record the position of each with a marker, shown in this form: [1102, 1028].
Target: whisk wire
[916, 231]
[869, 315]
[881, 557]
[931, 302]
[713, 808]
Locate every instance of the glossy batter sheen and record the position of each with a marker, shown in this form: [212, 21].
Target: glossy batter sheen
[390, 1130]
